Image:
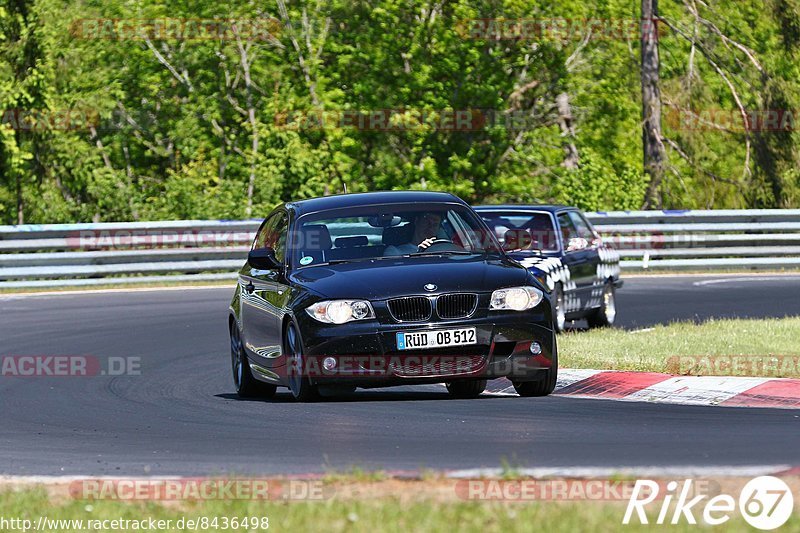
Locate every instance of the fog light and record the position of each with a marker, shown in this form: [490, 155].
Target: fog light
[329, 363]
[536, 348]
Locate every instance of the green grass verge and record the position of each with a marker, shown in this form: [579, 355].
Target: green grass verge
[384, 514]
[734, 347]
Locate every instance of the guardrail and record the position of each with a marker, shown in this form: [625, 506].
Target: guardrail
[52, 255]
[697, 240]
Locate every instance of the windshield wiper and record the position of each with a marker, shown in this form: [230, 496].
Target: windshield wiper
[448, 252]
[357, 260]
[402, 256]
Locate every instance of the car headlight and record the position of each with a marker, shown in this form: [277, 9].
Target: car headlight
[340, 311]
[516, 299]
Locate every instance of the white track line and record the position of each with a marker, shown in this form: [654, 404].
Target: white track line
[708, 275]
[741, 279]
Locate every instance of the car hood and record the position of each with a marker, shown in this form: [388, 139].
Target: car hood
[388, 278]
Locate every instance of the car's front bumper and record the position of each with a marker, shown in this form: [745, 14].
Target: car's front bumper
[367, 355]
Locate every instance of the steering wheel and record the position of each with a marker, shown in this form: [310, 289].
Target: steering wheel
[441, 241]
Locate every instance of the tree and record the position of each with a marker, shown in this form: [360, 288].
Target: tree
[653, 146]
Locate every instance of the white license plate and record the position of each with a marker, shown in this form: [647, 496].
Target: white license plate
[419, 340]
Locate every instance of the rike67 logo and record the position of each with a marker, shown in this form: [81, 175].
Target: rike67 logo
[765, 503]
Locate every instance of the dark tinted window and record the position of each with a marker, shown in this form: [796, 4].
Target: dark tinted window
[582, 225]
[539, 225]
[261, 235]
[273, 235]
[570, 234]
[278, 235]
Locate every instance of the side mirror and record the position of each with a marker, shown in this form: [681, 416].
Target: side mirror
[517, 239]
[263, 259]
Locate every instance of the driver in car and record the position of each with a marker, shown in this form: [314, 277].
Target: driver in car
[426, 229]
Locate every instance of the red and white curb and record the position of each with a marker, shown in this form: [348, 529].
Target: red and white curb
[665, 388]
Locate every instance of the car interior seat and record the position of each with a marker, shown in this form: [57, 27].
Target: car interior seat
[315, 242]
[397, 235]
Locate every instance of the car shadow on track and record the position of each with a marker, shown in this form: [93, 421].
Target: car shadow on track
[362, 396]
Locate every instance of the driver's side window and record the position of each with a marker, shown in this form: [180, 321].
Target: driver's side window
[258, 242]
[570, 237]
[583, 228]
[273, 235]
[280, 233]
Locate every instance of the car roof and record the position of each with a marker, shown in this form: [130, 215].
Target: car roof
[550, 208]
[339, 201]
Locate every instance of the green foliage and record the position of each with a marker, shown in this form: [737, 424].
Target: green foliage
[595, 186]
[195, 128]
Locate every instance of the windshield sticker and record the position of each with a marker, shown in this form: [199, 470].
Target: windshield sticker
[307, 260]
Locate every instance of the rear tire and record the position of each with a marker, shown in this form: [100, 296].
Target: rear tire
[299, 385]
[545, 385]
[605, 316]
[246, 385]
[466, 389]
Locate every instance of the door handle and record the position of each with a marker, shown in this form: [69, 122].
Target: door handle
[250, 287]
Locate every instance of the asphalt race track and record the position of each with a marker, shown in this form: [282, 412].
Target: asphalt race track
[180, 416]
[645, 301]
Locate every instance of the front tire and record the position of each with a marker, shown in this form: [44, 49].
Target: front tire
[559, 311]
[605, 316]
[246, 385]
[544, 386]
[299, 385]
[466, 389]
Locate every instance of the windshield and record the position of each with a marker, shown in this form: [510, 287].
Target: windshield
[389, 230]
[539, 225]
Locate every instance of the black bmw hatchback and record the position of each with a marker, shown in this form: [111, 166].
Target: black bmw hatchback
[382, 289]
